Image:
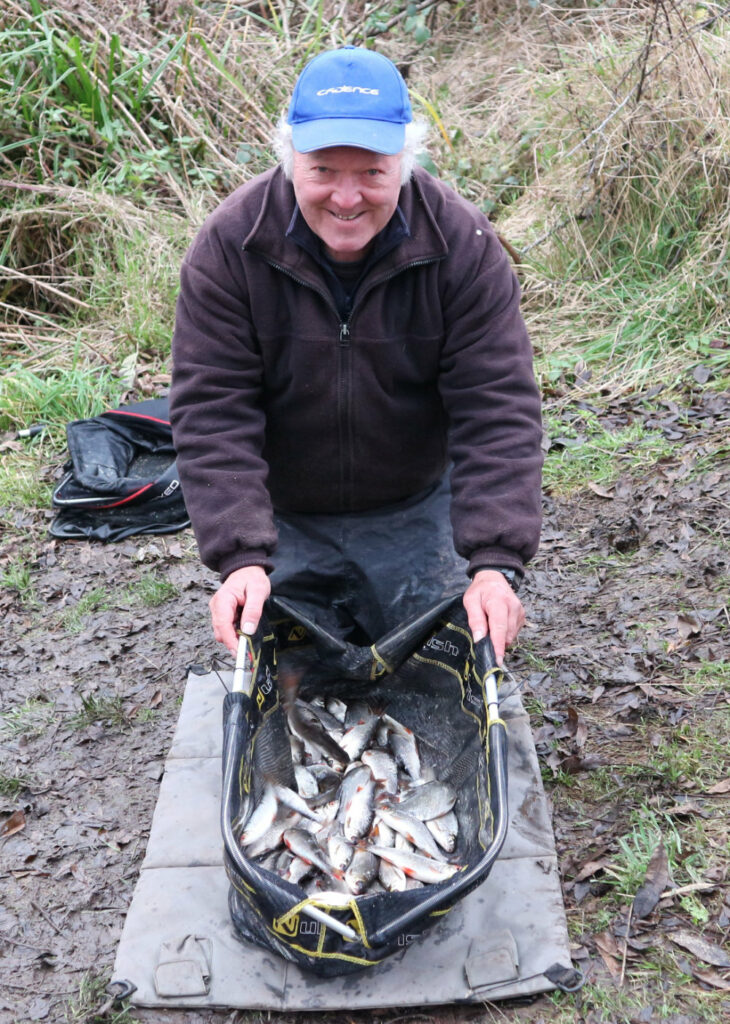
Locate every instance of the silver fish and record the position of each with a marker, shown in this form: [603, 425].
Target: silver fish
[337, 708]
[444, 830]
[339, 850]
[425, 869]
[358, 736]
[303, 845]
[412, 829]
[384, 769]
[306, 783]
[333, 726]
[261, 818]
[428, 801]
[383, 834]
[297, 871]
[392, 878]
[355, 774]
[273, 837]
[358, 711]
[361, 808]
[303, 721]
[361, 871]
[401, 843]
[292, 800]
[405, 751]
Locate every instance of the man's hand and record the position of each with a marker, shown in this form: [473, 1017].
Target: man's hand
[493, 607]
[247, 589]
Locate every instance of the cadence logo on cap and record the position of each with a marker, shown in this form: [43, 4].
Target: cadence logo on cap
[349, 88]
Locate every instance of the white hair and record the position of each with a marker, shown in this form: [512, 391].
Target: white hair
[416, 132]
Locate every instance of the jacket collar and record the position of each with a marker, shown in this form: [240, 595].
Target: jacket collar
[270, 236]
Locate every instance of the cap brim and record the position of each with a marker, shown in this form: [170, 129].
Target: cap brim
[323, 133]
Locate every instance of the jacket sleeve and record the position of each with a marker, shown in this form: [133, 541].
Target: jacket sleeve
[489, 392]
[216, 409]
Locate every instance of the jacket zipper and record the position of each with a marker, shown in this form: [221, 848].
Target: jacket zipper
[344, 412]
[344, 382]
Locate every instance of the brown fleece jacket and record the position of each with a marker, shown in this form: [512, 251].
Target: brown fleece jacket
[276, 403]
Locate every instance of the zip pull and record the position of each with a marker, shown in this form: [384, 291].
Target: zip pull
[344, 334]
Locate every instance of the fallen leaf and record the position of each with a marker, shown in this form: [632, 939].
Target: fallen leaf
[15, 823]
[77, 870]
[654, 884]
[720, 787]
[687, 808]
[602, 492]
[591, 867]
[713, 979]
[688, 625]
[700, 948]
[578, 727]
[156, 699]
[610, 952]
[576, 763]
[702, 374]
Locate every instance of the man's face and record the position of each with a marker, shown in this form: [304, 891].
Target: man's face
[346, 196]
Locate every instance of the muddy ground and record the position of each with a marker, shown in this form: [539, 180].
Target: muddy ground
[627, 606]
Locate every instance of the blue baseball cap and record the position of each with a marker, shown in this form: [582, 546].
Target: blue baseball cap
[350, 97]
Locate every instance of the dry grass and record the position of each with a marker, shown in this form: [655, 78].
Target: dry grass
[597, 137]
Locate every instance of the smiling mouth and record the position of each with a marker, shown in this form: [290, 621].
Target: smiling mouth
[341, 216]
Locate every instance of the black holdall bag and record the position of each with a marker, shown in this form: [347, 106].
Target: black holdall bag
[428, 674]
[122, 477]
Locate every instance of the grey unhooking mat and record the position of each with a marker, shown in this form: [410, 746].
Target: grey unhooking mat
[506, 938]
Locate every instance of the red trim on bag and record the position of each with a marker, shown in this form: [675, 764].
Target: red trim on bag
[136, 416]
[130, 497]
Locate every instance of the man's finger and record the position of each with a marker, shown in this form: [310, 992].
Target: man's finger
[498, 625]
[475, 616]
[252, 608]
[223, 613]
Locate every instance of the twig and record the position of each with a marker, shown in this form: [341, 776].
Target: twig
[46, 917]
[44, 286]
[15, 942]
[626, 946]
[695, 887]
[688, 34]
[647, 51]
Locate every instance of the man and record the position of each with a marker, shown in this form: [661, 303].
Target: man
[347, 328]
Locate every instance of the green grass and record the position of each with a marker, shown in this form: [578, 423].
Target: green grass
[152, 590]
[54, 396]
[694, 754]
[708, 677]
[18, 578]
[657, 982]
[27, 720]
[15, 782]
[21, 487]
[90, 604]
[627, 870]
[591, 452]
[107, 710]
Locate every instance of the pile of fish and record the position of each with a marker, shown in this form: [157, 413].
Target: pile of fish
[364, 814]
